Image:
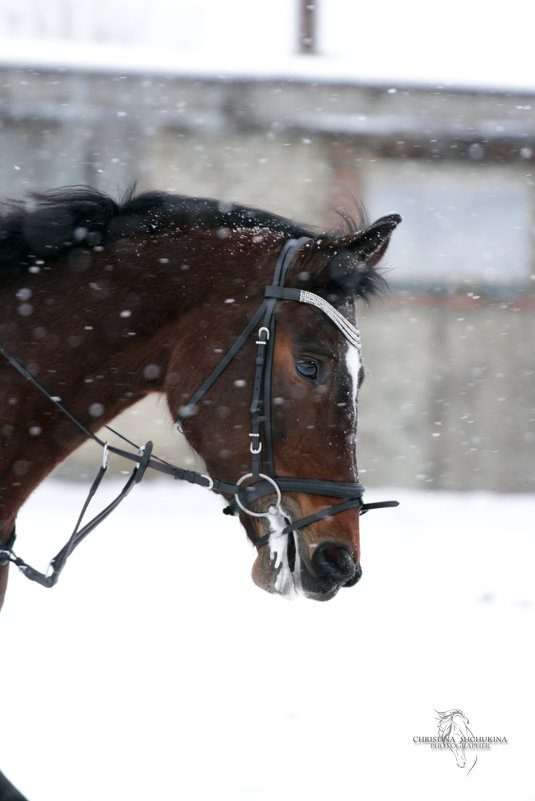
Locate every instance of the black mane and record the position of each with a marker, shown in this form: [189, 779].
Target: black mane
[50, 224]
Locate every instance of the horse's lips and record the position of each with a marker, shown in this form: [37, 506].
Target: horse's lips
[285, 564]
[277, 568]
[284, 557]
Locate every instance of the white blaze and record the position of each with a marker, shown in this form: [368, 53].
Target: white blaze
[353, 360]
[288, 582]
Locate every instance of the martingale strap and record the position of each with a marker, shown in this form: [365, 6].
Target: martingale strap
[49, 579]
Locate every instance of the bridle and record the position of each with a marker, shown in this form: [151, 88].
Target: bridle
[261, 446]
[262, 473]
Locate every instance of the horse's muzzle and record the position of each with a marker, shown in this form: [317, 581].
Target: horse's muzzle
[333, 560]
[289, 567]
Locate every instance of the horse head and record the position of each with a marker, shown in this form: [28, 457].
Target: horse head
[453, 730]
[314, 378]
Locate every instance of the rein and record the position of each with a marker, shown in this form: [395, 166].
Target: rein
[266, 483]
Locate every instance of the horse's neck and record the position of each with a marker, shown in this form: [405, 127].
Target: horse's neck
[100, 338]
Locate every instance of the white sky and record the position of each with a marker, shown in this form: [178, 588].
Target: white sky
[462, 42]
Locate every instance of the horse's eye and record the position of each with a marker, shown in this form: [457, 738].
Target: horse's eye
[307, 368]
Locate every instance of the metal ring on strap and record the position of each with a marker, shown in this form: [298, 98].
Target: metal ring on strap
[271, 481]
[209, 480]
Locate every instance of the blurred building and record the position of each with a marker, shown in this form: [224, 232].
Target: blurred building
[449, 399]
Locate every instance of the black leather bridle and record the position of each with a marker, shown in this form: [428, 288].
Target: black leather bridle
[267, 482]
[262, 474]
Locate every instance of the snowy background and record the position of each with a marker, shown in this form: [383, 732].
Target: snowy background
[157, 669]
[459, 44]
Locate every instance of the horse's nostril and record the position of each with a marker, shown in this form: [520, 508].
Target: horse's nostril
[332, 554]
[335, 561]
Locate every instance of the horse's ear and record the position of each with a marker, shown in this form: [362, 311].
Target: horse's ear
[353, 257]
[370, 245]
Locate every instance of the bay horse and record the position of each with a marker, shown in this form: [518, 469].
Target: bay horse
[245, 320]
[103, 303]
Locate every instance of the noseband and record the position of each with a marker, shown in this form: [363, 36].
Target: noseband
[261, 447]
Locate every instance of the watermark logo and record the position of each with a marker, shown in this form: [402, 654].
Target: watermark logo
[453, 731]
[455, 735]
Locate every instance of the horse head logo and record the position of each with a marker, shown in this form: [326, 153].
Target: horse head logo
[454, 732]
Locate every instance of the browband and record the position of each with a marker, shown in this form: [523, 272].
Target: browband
[350, 331]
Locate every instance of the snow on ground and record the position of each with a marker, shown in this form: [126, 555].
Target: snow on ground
[156, 669]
